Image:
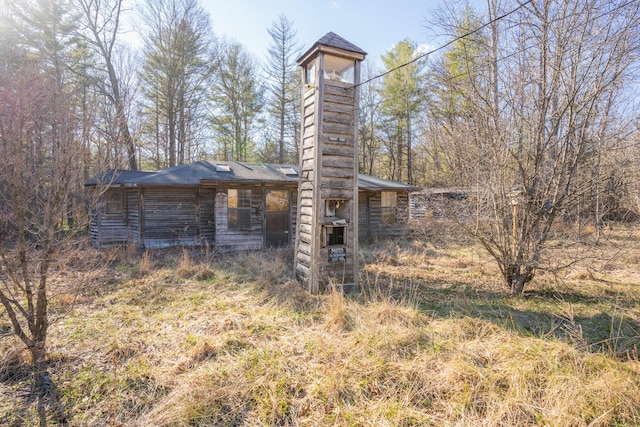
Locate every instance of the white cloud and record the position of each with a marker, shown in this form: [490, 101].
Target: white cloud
[334, 4]
[423, 48]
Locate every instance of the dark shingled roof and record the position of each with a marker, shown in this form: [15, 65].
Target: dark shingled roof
[196, 173]
[334, 40]
[115, 177]
[184, 175]
[372, 183]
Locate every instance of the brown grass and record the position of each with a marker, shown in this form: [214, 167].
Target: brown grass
[431, 338]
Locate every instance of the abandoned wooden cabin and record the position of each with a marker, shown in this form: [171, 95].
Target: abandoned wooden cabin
[227, 206]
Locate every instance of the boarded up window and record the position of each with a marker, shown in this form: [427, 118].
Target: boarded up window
[389, 207]
[239, 209]
[115, 202]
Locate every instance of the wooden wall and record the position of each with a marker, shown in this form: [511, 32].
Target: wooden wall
[336, 142]
[198, 216]
[370, 216]
[328, 172]
[133, 217]
[173, 216]
[294, 215]
[109, 229]
[170, 217]
[305, 208]
[207, 217]
[339, 172]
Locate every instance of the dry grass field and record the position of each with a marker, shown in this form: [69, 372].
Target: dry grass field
[431, 338]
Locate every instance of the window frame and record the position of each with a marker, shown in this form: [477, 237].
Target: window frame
[310, 72]
[114, 202]
[388, 208]
[339, 69]
[239, 214]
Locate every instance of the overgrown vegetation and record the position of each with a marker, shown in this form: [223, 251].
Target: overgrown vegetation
[175, 338]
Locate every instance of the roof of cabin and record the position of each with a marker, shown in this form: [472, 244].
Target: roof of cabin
[189, 174]
[116, 177]
[197, 173]
[372, 183]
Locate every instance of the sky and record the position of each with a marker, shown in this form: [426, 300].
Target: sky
[374, 25]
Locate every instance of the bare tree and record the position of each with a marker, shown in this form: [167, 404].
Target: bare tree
[40, 177]
[544, 91]
[101, 24]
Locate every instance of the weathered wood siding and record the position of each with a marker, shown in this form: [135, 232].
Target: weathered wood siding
[170, 217]
[370, 216]
[339, 173]
[304, 205]
[293, 216]
[109, 229]
[363, 214]
[328, 172]
[94, 228]
[133, 217]
[337, 142]
[207, 217]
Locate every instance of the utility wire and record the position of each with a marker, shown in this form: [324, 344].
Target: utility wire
[477, 68]
[449, 43]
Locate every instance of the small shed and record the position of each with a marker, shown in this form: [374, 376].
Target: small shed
[227, 206]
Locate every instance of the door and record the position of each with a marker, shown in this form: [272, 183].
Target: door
[277, 218]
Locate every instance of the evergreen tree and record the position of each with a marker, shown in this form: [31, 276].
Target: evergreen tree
[402, 100]
[237, 98]
[283, 100]
[177, 64]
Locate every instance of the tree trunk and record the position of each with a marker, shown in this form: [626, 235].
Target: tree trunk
[517, 277]
[40, 378]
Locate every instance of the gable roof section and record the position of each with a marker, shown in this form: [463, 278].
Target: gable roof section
[204, 172]
[181, 175]
[256, 173]
[330, 42]
[372, 183]
[113, 177]
[331, 39]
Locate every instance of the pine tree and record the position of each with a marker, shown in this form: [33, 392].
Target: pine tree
[283, 88]
[237, 99]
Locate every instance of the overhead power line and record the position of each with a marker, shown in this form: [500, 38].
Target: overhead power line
[449, 43]
[478, 67]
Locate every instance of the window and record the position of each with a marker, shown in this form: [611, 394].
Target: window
[114, 201]
[288, 171]
[389, 207]
[310, 73]
[239, 209]
[334, 235]
[339, 69]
